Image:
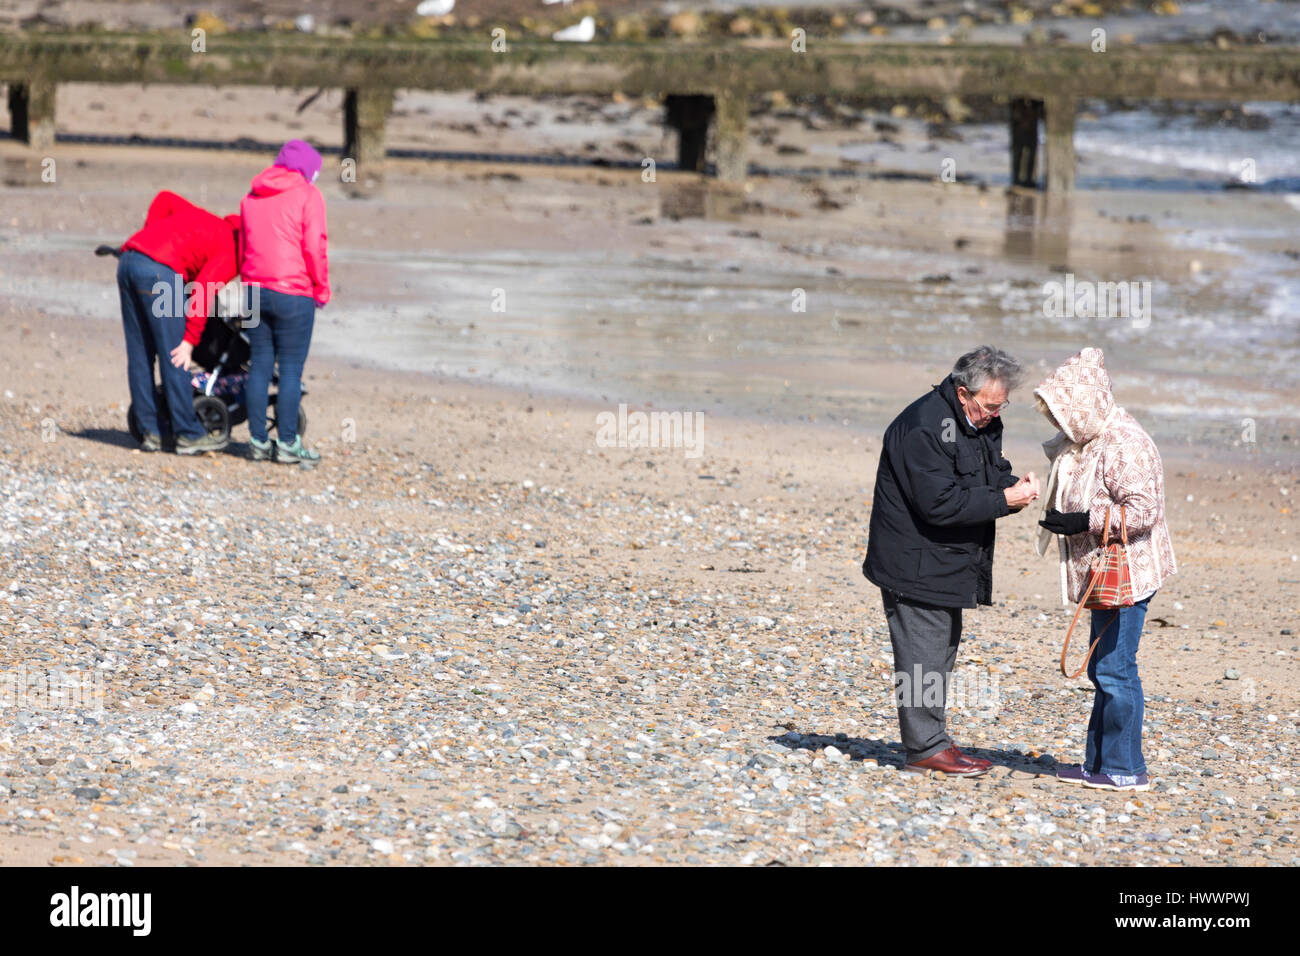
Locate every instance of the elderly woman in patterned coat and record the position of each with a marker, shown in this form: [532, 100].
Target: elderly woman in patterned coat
[1102, 458]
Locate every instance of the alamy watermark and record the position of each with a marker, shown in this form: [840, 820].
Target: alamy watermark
[56, 689]
[967, 688]
[174, 298]
[1085, 299]
[75, 908]
[626, 429]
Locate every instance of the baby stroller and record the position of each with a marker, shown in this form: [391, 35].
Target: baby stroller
[222, 356]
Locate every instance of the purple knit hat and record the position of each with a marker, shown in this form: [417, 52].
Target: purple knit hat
[299, 156]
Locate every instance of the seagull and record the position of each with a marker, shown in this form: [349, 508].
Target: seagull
[549, 2]
[435, 8]
[581, 32]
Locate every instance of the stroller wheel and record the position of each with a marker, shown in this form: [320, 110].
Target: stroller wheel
[213, 415]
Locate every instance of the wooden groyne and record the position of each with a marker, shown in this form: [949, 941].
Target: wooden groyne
[708, 84]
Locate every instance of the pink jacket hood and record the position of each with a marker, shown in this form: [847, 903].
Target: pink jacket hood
[276, 179]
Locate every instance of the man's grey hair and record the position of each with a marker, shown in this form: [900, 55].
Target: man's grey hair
[974, 369]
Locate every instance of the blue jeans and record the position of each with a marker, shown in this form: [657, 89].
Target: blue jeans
[153, 318]
[1115, 727]
[282, 335]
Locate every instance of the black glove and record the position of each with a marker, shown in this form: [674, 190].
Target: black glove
[1069, 522]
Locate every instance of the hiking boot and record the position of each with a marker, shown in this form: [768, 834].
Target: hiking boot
[260, 450]
[1102, 781]
[197, 446]
[151, 443]
[295, 454]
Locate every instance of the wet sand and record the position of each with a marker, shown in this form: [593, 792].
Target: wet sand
[693, 312]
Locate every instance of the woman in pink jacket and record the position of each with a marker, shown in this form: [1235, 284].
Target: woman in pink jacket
[1103, 459]
[285, 265]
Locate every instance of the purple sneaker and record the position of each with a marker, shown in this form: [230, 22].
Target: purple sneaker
[1102, 781]
[1075, 774]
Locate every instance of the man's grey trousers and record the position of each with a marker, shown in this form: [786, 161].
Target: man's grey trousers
[925, 640]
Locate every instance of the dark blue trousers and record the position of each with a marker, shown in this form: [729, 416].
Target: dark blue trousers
[153, 319]
[279, 333]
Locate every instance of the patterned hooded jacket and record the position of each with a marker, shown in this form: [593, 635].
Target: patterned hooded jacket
[1102, 457]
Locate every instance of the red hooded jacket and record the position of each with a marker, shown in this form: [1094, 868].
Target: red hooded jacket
[284, 240]
[196, 244]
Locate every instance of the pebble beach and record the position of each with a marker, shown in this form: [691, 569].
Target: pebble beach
[476, 635]
[472, 637]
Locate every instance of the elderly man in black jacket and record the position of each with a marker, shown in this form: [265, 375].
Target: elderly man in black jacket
[940, 486]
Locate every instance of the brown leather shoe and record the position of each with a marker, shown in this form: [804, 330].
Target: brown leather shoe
[949, 762]
[970, 758]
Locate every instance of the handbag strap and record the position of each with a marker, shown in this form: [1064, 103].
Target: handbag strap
[1123, 528]
[1075, 620]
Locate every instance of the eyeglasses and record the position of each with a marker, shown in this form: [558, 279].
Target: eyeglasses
[991, 409]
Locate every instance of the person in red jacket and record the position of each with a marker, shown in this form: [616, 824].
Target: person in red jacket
[284, 265]
[167, 279]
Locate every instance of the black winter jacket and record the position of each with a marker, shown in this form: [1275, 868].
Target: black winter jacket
[938, 493]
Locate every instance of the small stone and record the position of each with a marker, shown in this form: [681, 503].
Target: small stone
[505, 829]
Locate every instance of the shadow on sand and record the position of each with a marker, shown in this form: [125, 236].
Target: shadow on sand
[117, 437]
[892, 754]
[121, 438]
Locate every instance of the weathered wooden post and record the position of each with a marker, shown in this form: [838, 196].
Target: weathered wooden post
[31, 112]
[365, 115]
[704, 123]
[730, 139]
[1060, 143]
[690, 114]
[1024, 141]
